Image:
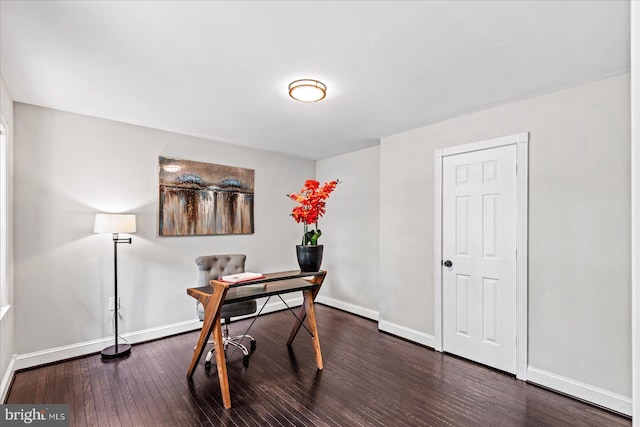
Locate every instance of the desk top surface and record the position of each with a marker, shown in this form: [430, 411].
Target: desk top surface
[271, 284]
[282, 275]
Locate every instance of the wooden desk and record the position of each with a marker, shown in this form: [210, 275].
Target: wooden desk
[213, 297]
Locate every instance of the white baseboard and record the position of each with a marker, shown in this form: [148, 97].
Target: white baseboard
[351, 308]
[56, 354]
[6, 379]
[586, 392]
[407, 333]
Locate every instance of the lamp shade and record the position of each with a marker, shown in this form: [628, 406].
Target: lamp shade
[115, 223]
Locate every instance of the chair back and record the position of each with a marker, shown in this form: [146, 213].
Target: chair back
[212, 267]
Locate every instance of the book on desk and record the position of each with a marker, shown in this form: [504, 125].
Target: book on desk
[241, 277]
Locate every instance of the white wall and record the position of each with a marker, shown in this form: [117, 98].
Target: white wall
[67, 168]
[7, 346]
[351, 232]
[579, 226]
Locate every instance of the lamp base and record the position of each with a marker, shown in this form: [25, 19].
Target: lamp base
[116, 351]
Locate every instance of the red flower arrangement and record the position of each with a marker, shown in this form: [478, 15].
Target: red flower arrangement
[312, 206]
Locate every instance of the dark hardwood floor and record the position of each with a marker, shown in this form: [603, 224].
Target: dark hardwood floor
[369, 379]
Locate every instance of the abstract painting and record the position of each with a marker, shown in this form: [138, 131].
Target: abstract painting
[202, 198]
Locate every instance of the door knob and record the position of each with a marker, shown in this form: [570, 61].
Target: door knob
[447, 263]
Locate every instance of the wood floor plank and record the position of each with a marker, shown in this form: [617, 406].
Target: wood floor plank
[19, 390]
[164, 401]
[160, 370]
[144, 392]
[369, 379]
[66, 380]
[77, 412]
[174, 379]
[136, 409]
[84, 381]
[107, 412]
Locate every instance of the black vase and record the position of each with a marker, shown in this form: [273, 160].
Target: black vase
[309, 257]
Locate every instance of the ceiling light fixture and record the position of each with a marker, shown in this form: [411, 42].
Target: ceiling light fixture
[307, 90]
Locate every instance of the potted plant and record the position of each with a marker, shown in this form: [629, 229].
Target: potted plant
[311, 206]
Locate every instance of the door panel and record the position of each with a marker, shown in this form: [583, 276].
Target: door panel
[479, 237]
[462, 226]
[462, 304]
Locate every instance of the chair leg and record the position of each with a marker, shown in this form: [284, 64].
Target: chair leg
[238, 344]
[235, 341]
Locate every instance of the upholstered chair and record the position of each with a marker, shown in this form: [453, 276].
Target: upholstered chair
[212, 267]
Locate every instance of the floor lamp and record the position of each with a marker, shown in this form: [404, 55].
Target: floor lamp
[115, 223]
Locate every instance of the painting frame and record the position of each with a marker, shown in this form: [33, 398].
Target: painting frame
[204, 199]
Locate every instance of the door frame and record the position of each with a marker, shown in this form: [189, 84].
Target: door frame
[635, 211]
[521, 141]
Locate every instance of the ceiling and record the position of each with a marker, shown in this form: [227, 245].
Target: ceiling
[220, 70]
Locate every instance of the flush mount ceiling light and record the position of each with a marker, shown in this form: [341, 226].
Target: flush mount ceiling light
[307, 90]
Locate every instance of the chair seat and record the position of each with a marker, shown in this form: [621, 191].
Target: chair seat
[238, 309]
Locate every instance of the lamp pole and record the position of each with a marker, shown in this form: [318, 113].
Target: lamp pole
[116, 350]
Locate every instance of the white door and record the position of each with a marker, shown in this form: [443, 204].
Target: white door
[479, 220]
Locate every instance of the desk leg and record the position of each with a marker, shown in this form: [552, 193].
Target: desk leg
[212, 307]
[297, 325]
[222, 364]
[313, 328]
[303, 313]
[205, 332]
